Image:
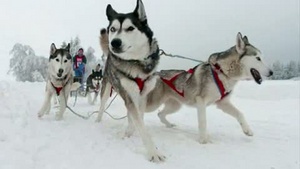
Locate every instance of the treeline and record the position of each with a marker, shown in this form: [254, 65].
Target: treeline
[283, 71]
[25, 65]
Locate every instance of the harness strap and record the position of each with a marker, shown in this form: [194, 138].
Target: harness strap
[58, 89]
[218, 81]
[170, 82]
[140, 83]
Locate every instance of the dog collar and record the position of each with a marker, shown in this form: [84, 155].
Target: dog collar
[217, 80]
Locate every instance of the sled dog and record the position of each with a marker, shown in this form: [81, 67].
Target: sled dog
[132, 60]
[60, 80]
[93, 84]
[210, 82]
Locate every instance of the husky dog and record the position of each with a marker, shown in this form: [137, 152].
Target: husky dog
[93, 85]
[60, 80]
[132, 60]
[208, 83]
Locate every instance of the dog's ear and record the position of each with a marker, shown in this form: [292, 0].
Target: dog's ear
[140, 11]
[52, 49]
[240, 44]
[110, 12]
[93, 71]
[246, 41]
[68, 47]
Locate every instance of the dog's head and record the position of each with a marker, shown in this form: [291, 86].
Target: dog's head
[60, 61]
[96, 78]
[243, 61]
[129, 35]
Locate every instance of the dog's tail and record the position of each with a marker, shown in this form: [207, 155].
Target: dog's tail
[104, 41]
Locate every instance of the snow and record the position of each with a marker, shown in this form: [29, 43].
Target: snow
[272, 111]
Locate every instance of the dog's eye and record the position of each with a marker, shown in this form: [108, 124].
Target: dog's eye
[57, 60]
[130, 28]
[65, 61]
[258, 58]
[113, 29]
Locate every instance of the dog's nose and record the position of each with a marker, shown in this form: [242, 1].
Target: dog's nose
[116, 43]
[60, 71]
[270, 73]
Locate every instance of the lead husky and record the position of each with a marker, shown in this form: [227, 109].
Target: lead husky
[60, 80]
[208, 83]
[132, 60]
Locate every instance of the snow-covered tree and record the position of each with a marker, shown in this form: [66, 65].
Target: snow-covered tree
[75, 44]
[277, 68]
[285, 71]
[24, 62]
[91, 59]
[290, 70]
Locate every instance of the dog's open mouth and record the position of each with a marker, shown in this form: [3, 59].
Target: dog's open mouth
[256, 75]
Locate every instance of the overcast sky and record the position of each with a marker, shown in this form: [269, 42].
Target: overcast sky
[193, 28]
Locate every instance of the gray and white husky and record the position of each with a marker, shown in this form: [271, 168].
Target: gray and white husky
[211, 82]
[132, 60]
[93, 84]
[60, 80]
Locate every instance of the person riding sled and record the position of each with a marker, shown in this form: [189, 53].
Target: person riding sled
[79, 62]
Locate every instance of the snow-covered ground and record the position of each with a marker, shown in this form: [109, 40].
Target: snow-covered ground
[272, 110]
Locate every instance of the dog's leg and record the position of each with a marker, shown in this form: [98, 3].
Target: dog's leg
[201, 108]
[154, 154]
[54, 99]
[226, 106]
[171, 106]
[89, 97]
[46, 104]
[63, 100]
[105, 92]
[130, 128]
[95, 97]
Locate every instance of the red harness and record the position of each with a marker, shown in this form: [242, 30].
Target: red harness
[138, 81]
[216, 78]
[57, 89]
[170, 82]
[218, 81]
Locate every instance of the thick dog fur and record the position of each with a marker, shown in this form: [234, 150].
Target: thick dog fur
[60, 76]
[132, 58]
[200, 89]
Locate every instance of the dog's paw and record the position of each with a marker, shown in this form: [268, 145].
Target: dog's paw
[58, 117]
[248, 132]
[98, 120]
[170, 125]
[156, 157]
[204, 139]
[40, 115]
[128, 132]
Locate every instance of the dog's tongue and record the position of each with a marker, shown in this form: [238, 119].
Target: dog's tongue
[256, 75]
